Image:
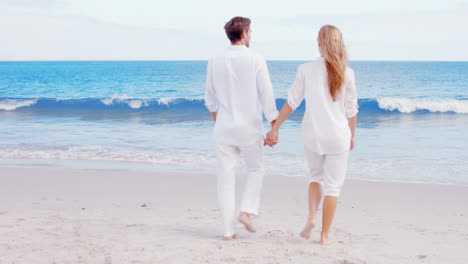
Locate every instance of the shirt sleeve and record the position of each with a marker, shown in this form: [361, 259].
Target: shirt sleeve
[211, 101]
[265, 92]
[296, 92]
[351, 103]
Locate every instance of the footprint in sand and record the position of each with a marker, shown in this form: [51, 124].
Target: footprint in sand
[275, 233]
[421, 256]
[346, 261]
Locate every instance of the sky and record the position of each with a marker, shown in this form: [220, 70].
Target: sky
[193, 30]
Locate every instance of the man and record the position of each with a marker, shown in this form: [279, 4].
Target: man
[238, 90]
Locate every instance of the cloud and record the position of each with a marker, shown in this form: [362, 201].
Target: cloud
[33, 4]
[41, 37]
[410, 36]
[404, 36]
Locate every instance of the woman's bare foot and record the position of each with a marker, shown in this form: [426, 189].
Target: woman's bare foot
[227, 238]
[307, 229]
[325, 240]
[244, 218]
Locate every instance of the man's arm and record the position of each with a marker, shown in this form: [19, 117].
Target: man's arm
[211, 101]
[265, 92]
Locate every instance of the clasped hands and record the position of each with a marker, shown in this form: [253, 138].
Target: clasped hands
[271, 138]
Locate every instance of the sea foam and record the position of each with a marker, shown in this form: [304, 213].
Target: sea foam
[406, 105]
[12, 104]
[194, 106]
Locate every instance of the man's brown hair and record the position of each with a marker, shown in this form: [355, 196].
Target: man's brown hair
[235, 27]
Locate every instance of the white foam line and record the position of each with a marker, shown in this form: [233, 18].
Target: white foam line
[136, 104]
[118, 98]
[411, 182]
[392, 181]
[165, 101]
[12, 104]
[406, 105]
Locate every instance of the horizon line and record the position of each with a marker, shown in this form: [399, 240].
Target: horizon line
[204, 60]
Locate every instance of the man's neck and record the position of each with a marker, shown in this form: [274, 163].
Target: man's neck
[238, 43]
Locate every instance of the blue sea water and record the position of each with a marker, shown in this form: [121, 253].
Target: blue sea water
[413, 119]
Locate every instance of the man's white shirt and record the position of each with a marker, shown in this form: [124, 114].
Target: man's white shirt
[239, 88]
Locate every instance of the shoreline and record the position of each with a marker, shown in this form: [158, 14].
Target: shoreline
[134, 166]
[99, 216]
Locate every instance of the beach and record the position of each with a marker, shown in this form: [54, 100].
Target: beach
[114, 131]
[69, 215]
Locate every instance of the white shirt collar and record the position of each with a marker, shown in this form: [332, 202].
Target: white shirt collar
[237, 47]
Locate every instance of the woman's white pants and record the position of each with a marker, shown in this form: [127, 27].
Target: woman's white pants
[228, 157]
[328, 170]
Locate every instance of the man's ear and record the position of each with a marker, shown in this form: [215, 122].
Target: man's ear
[244, 34]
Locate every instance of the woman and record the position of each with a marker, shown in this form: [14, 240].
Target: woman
[327, 85]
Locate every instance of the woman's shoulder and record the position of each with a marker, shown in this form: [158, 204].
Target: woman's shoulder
[311, 65]
[349, 73]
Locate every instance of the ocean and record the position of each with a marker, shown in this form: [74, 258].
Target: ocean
[412, 124]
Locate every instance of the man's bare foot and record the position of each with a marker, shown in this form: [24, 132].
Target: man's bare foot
[227, 238]
[244, 219]
[325, 240]
[307, 229]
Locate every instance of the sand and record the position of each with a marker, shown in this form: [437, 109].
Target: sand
[54, 215]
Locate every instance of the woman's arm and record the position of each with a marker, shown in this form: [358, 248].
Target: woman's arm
[295, 97]
[352, 127]
[351, 106]
[214, 115]
[272, 136]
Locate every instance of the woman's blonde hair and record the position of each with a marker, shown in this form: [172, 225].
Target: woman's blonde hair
[333, 50]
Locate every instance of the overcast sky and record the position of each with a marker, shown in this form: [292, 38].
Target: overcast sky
[193, 30]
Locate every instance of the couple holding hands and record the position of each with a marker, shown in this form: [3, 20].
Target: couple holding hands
[239, 89]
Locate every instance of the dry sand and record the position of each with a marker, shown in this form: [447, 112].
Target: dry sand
[50, 215]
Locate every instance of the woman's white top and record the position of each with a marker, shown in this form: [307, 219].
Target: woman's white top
[325, 126]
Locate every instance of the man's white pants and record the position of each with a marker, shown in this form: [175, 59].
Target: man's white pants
[228, 156]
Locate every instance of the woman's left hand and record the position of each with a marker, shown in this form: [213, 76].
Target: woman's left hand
[271, 138]
[351, 145]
